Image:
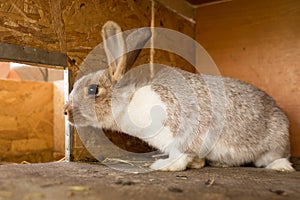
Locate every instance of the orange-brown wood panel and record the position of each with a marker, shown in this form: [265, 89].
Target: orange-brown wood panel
[4, 70]
[258, 42]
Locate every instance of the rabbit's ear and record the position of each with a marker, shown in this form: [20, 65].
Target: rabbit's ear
[115, 49]
[135, 42]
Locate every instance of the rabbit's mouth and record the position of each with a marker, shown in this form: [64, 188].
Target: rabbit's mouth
[69, 114]
[77, 118]
[74, 115]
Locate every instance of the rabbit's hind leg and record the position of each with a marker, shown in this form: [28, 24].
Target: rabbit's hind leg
[177, 161]
[281, 164]
[273, 161]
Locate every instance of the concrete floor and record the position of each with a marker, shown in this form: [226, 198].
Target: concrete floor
[64, 180]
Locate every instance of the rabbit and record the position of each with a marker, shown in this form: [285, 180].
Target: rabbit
[192, 121]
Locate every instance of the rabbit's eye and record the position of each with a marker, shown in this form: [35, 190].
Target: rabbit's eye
[93, 89]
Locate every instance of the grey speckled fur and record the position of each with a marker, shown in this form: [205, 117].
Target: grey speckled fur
[254, 125]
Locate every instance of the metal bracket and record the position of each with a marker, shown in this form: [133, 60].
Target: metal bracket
[69, 130]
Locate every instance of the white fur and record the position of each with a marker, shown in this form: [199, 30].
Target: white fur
[145, 118]
[143, 101]
[221, 153]
[177, 161]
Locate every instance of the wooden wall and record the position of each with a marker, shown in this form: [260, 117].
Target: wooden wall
[258, 42]
[73, 26]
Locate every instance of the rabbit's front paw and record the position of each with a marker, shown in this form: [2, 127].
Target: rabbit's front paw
[178, 163]
[168, 165]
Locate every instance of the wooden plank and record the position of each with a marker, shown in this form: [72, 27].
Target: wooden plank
[199, 2]
[12, 52]
[58, 24]
[181, 7]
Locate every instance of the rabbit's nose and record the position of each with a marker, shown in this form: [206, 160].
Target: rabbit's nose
[66, 109]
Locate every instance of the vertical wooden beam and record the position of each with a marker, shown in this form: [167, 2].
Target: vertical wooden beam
[58, 24]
